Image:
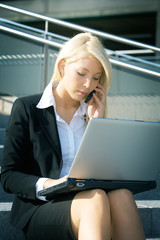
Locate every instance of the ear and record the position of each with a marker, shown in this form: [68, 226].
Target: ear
[61, 66]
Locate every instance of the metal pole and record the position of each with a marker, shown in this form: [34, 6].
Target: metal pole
[45, 57]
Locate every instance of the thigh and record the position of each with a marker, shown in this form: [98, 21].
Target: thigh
[51, 221]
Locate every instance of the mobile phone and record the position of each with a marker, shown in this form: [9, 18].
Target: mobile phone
[89, 96]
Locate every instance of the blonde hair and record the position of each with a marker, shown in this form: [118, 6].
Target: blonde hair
[80, 46]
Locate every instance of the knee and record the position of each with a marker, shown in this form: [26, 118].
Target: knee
[124, 192]
[124, 196]
[98, 193]
[98, 198]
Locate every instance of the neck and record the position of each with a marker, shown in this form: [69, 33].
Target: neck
[63, 99]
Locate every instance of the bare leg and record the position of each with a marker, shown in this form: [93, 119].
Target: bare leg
[125, 217]
[90, 215]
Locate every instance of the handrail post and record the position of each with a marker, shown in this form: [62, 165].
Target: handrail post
[45, 69]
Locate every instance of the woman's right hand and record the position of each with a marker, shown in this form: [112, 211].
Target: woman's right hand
[51, 182]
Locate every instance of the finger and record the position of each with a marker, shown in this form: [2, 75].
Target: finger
[98, 101]
[102, 95]
[98, 90]
[101, 87]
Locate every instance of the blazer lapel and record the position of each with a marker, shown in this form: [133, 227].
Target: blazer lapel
[47, 120]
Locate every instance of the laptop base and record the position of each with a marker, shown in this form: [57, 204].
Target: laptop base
[77, 185]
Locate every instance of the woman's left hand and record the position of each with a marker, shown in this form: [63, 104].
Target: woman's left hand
[96, 105]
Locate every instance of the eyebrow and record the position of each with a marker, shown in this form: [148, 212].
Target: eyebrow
[88, 71]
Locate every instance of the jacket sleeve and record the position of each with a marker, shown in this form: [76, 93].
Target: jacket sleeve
[15, 177]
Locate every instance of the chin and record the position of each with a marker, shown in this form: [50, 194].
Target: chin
[78, 99]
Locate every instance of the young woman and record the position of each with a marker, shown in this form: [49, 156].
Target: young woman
[42, 138]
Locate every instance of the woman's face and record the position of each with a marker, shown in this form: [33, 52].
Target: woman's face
[81, 77]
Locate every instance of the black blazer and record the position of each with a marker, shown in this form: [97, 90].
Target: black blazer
[32, 150]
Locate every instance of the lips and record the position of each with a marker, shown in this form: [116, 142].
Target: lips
[83, 93]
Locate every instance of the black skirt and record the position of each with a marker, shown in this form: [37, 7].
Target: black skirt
[51, 220]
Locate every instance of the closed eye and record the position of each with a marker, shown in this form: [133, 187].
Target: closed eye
[96, 78]
[81, 74]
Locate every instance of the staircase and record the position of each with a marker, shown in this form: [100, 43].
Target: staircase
[7, 232]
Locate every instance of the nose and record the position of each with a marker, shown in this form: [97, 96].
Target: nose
[87, 82]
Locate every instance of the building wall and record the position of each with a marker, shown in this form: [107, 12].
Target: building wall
[85, 8]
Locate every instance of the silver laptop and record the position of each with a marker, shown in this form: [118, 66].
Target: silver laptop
[114, 154]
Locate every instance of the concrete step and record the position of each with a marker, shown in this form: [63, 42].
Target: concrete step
[6, 103]
[150, 224]
[150, 216]
[149, 207]
[8, 232]
[2, 135]
[1, 152]
[5, 197]
[3, 120]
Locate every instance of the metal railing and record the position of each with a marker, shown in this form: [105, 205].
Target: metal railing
[80, 28]
[59, 45]
[47, 42]
[33, 29]
[123, 54]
